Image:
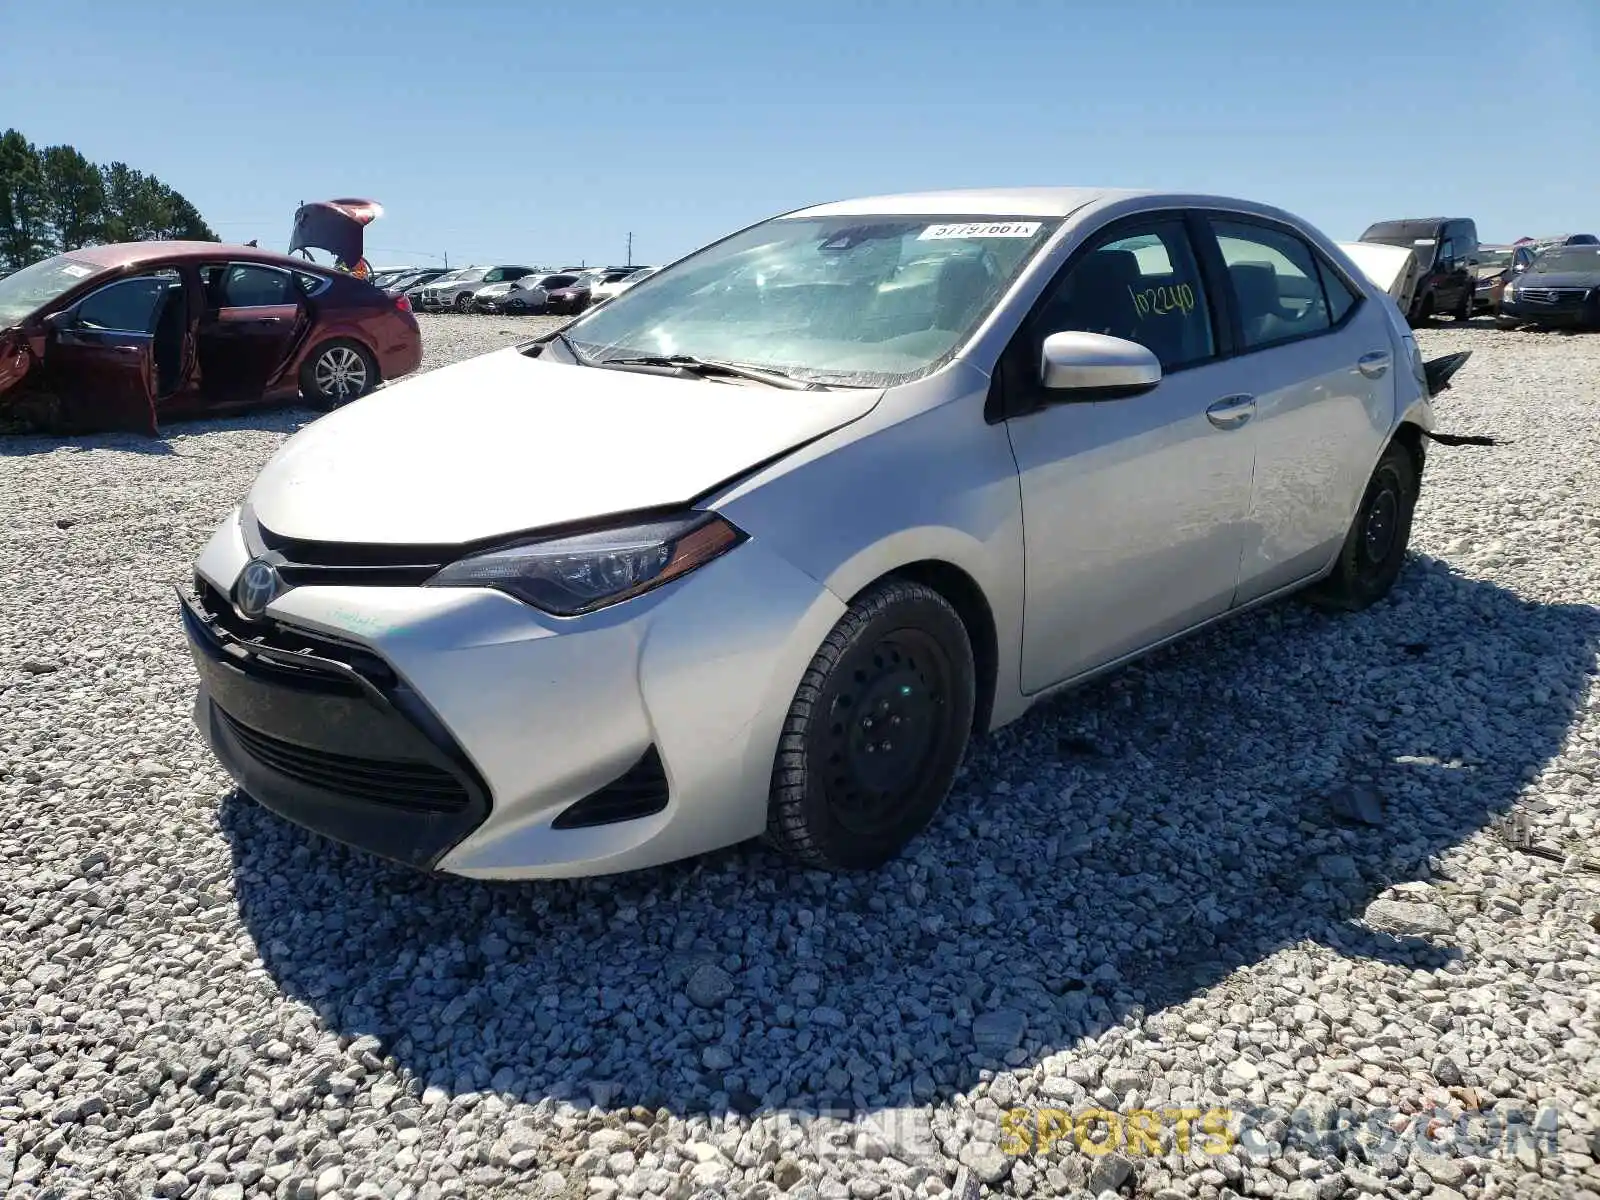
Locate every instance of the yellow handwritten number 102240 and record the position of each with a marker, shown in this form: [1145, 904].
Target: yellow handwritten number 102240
[1168, 298]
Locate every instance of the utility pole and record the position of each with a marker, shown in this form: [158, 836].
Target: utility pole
[630, 250]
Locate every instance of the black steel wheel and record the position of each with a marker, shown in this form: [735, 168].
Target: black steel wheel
[1375, 548]
[876, 731]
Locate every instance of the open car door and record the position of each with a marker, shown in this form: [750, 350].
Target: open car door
[99, 359]
[253, 317]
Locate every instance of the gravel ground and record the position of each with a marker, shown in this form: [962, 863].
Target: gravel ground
[1140, 897]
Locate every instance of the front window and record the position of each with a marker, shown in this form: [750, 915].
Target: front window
[866, 301]
[1557, 258]
[33, 287]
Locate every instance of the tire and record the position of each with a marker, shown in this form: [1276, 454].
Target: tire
[1374, 549]
[1468, 303]
[463, 302]
[323, 368]
[840, 800]
[1424, 310]
[1506, 323]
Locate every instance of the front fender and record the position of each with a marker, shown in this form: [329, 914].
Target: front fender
[901, 487]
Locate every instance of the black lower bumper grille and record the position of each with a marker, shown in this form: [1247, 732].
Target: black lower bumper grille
[641, 792]
[414, 786]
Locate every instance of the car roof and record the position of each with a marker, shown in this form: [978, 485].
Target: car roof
[1018, 201]
[127, 254]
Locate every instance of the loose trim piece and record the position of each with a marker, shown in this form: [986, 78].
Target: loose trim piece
[1462, 439]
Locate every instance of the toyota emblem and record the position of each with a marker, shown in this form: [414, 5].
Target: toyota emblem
[259, 585]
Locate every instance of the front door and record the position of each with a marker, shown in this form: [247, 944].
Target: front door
[1133, 509]
[252, 321]
[1321, 367]
[100, 362]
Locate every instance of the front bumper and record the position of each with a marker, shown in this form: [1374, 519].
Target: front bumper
[1568, 312]
[317, 741]
[532, 718]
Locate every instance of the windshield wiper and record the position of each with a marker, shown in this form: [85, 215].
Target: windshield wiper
[707, 366]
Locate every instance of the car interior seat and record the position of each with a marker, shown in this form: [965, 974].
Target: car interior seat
[1261, 310]
[1099, 297]
[961, 289]
[170, 326]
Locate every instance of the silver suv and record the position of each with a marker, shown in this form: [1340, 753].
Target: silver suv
[456, 289]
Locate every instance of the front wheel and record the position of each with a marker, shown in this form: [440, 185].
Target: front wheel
[338, 372]
[876, 731]
[464, 302]
[1375, 547]
[1468, 304]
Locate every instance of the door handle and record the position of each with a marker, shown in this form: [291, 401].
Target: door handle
[1373, 365]
[1231, 411]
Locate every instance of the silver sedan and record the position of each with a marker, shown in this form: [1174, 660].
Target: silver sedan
[755, 548]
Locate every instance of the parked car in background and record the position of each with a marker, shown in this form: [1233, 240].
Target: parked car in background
[574, 297]
[638, 276]
[457, 291]
[526, 295]
[1560, 289]
[1393, 268]
[1565, 239]
[486, 299]
[1445, 248]
[403, 285]
[1145, 412]
[129, 336]
[611, 281]
[1495, 267]
[614, 282]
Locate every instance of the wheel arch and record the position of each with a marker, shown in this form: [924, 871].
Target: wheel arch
[1410, 435]
[967, 597]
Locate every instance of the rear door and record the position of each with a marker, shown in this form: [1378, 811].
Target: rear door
[1319, 362]
[99, 360]
[254, 315]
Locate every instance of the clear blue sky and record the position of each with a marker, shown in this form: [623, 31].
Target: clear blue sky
[547, 131]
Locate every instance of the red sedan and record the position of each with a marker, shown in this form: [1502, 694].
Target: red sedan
[129, 336]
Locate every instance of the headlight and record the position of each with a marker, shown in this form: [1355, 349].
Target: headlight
[567, 576]
[1510, 293]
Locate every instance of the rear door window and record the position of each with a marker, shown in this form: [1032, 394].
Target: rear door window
[247, 285]
[1277, 286]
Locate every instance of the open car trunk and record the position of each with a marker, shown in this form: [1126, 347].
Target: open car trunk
[335, 226]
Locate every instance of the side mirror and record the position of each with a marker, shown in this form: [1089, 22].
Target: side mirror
[61, 319]
[1110, 367]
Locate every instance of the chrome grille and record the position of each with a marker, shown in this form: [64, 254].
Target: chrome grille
[1534, 295]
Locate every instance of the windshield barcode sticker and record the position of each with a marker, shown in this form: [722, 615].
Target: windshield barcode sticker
[980, 229]
[76, 271]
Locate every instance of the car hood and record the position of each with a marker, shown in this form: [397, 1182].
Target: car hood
[504, 443]
[1559, 279]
